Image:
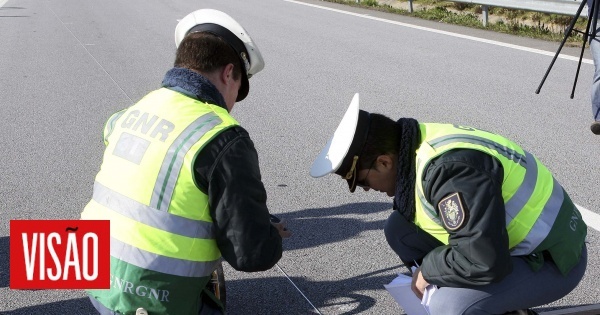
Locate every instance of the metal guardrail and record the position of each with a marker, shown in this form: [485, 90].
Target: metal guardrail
[562, 7]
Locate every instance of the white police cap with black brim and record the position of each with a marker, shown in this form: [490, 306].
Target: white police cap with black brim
[342, 152]
[220, 24]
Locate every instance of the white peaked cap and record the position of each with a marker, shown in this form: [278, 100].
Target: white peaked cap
[224, 26]
[341, 153]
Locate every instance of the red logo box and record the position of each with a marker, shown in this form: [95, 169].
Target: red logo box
[59, 254]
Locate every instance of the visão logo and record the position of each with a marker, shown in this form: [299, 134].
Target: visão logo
[59, 254]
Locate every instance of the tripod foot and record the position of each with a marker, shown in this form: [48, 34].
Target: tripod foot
[595, 127]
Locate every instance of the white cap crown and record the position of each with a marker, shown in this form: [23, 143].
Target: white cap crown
[211, 16]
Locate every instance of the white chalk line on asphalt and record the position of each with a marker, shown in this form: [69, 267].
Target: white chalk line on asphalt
[292, 282]
[88, 52]
[591, 219]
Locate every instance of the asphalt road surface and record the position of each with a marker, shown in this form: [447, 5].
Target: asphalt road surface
[66, 65]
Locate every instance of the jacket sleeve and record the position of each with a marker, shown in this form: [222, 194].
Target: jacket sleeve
[227, 169]
[477, 253]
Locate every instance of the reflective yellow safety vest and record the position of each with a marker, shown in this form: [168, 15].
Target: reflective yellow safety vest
[162, 247]
[540, 216]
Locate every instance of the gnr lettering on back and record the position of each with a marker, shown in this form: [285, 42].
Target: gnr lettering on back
[144, 123]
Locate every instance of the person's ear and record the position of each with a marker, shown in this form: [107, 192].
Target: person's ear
[385, 161]
[227, 74]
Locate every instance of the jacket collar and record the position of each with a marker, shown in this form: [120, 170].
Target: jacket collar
[194, 85]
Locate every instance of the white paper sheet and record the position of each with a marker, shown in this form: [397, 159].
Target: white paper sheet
[400, 290]
[429, 291]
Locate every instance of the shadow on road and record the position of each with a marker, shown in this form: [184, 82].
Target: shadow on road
[314, 227]
[344, 296]
[81, 306]
[4, 261]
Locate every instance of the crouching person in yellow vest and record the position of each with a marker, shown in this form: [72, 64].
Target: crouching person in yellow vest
[484, 219]
[180, 179]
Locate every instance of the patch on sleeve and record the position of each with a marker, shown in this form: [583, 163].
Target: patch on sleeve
[452, 212]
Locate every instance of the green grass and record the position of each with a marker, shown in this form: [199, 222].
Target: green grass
[539, 25]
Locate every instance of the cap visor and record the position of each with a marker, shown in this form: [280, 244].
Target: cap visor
[332, 155]
[244, 88]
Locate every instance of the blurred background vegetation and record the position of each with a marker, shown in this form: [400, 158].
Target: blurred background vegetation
[538, 25]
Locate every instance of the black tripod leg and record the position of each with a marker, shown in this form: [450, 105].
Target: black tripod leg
[585, 39]
[569, 30]
[577, 73]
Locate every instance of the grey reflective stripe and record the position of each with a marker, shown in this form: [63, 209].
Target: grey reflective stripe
[504, 151]
[159, 263]
[173, 161]
[418, 163]
[516, 203]
[139, 212]
[429, 210]
[543, 224]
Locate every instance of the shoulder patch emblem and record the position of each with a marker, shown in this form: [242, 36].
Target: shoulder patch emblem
[452, 212]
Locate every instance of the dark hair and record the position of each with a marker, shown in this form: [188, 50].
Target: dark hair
[205, 52]
[383, 138]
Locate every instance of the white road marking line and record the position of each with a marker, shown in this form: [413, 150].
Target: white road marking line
[473, 38]
[590, 218]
